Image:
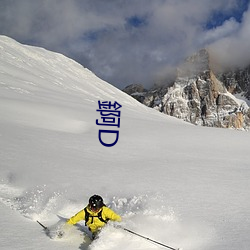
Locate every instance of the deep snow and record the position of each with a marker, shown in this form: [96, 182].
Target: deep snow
[182, 185]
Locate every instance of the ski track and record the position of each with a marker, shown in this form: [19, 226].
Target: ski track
[144, 214]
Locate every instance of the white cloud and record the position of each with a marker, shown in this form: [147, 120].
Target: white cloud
[228, 28]
[97, 33]
[233, 50]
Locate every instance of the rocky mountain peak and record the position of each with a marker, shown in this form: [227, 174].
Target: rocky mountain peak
[200, 96]
[196, 64]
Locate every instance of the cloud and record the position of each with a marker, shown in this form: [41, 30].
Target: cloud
[121, 41]
[233, 49]
[228, 28]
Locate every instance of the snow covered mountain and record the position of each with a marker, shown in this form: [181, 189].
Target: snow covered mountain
[237, 81]
[182, 185]
[201, 96]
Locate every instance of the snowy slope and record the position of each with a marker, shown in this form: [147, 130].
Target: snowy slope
[179, 184]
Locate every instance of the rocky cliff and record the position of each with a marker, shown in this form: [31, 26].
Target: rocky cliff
[200, 96]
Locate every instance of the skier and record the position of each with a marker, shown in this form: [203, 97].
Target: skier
[95, 214]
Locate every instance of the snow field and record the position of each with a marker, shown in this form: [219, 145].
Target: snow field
[181, 185]
[145, 214]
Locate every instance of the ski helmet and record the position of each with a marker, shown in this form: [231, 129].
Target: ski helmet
[95, 202]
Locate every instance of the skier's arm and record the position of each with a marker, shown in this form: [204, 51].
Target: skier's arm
[110, 214]
[77, 217]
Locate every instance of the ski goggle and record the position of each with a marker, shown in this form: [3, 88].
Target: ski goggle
[94, 208]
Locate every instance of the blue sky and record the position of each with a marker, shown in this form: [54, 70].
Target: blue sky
[131, 41]
[218, 17]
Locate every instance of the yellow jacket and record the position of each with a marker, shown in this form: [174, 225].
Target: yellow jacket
[94, 223]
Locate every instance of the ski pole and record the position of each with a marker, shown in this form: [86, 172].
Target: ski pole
[146, 238]
[45, 228]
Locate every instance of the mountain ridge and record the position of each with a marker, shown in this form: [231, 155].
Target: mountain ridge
[200, 95]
